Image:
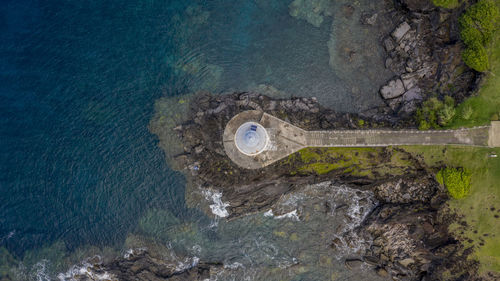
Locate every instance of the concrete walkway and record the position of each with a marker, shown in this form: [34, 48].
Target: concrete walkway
[285, 138]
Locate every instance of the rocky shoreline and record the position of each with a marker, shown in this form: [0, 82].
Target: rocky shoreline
[409, 228]
[424, 53]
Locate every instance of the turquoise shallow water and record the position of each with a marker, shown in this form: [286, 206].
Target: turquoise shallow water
[79, 170]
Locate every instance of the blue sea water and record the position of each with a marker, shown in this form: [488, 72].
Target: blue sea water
[78, 81]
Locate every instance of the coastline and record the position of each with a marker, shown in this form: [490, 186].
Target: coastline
[320, 213]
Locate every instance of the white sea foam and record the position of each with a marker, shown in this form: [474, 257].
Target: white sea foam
[218, 207]
[187, 264]
[234, 265]
[347, 209]
[40, 271]
[196, 249]
[8, 236]
[349, 241]
[269, 213]
[214, 223]
[88, 270]
[132, 252]
[291, 215]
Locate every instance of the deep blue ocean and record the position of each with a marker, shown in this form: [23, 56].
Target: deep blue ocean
[78, 81]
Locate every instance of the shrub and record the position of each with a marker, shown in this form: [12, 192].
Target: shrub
[435, 113]
[477, 26]
[445, 115]
[449, 101]
[494, 117]
[467, 112]
[456, 181]
[445, 3]
[475, 57]
[447, 111]
[471, 35]
[423, 125]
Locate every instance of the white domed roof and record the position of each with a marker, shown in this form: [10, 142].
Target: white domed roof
[251, 138]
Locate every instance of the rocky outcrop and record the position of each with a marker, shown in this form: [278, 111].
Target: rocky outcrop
[408, 228]
[409, 189]
[412, 242]
[203, 153]
[141, 265]
[424, 52]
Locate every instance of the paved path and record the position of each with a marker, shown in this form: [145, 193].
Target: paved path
[286, 138]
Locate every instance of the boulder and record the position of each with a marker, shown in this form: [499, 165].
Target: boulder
[368, 19]
[382, 272]
[400, 31]
[413, 94]
[395, 103]
[406, 262]
[389, 44]
[409, 80]
[353, 264]
[393, 89]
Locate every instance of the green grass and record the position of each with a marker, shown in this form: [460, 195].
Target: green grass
[484, 194]
[487, 101]
[449, 4]
[360, 162]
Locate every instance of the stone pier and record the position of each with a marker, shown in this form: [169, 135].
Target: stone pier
[285, 138]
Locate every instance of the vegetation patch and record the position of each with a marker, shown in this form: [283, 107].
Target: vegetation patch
[449, 4]
[477, 26]
[485, 106]
[481, 208]
[371, 163]
[435, 113]
[456, 181]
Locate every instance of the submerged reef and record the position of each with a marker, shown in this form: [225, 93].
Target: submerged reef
[312, 11]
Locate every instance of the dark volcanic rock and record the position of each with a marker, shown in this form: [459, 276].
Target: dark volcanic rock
[412, 242]
[407, 189]
[145, 267]
[424, 51]
[409, 228]
[140, 265]
[252, 190]
[418, 5]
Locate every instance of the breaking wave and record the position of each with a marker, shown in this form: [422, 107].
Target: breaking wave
[218, 207]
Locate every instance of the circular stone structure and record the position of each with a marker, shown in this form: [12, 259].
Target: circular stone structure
[251, 138]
